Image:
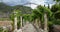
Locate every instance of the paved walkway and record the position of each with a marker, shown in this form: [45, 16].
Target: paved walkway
[29, 28]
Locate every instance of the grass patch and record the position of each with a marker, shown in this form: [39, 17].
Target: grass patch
[2, 19]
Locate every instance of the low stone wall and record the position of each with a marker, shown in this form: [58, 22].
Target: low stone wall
[55, 28]
[7, 24]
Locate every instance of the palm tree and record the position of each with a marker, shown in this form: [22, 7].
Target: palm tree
[26, 17]
[56, 11]
[44, 12]
[17, 13]
[36, 18]
[55, 8]
[15, 21]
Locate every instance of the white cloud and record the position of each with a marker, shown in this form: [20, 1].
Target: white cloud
[32, 6]
[38, 2]
[18, 2]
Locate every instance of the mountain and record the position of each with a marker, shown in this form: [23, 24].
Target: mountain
[6, 10]
[21, 2]
[24, 9]
[14, 2]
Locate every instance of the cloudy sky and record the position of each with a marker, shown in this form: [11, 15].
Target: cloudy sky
[21, 2]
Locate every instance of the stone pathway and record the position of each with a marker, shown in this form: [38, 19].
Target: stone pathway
[29, 28]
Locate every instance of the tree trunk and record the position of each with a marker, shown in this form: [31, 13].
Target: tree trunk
[21, 21]
[24, 22]
[39, 23]
[36, 23]
[15, 24]
[45, 23]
